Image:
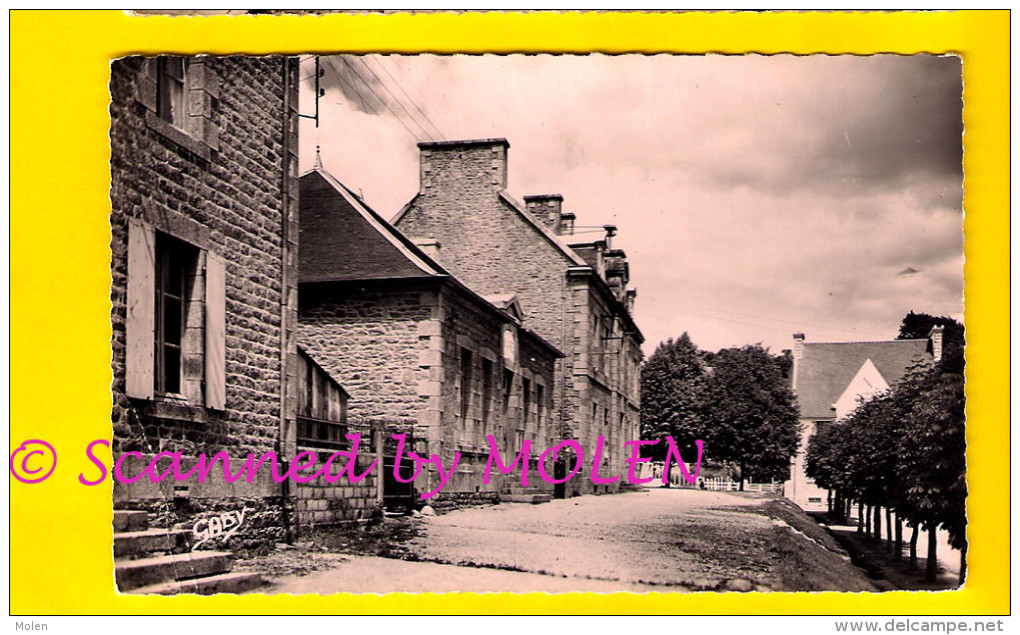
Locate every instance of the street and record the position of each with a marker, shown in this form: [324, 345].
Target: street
[664, 540]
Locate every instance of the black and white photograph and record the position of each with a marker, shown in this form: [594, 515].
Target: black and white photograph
[537, 323]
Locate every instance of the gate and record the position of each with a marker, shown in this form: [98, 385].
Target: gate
[397, 496]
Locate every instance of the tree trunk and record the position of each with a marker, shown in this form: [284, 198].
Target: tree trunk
[913, 547]
[888, 530]
[878, 522]
[867, 521]
[931, 568]
[830, 503]
[860, 517]
[899, 539]
[741, 475]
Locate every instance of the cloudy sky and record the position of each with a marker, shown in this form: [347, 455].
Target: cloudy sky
[755, 196]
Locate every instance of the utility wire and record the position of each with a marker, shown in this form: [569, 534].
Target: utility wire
[364, 64]
[414, 86]
[340, 75]
[414, 103]
[384, 102]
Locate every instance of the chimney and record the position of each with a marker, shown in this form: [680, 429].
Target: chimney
[610, 232]
[798, 345]
[547, 208]
[452, 165]
[935, 337]
[566, 224]
[617, 272]
[631, 297]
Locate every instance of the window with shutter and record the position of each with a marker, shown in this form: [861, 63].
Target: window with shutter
[215, 337]
[140, 320]
[174, 330]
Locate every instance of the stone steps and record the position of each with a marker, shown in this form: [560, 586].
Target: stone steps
[132, 574]
[158, 561]
[233, 582]
[136, 543]
[130, 521]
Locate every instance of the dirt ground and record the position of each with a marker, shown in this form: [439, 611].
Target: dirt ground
[662, 540]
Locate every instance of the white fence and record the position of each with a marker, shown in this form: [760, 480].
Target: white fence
[714, 484]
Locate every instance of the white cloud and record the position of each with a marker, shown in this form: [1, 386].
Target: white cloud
[755, 196]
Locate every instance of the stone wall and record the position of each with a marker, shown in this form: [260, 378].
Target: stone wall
[490, 245]
[369, 341]
[225, 184]
[402, 353]
[484, 241]
[320, 503]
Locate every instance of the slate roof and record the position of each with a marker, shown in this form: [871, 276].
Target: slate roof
[826, 369]
[343, 239]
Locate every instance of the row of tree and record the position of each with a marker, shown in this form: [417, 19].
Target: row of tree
[903, 452]
[737, 401]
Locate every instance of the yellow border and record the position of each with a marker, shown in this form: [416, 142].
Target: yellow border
[59, 244]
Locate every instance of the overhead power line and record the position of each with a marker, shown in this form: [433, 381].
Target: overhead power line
[438, 131]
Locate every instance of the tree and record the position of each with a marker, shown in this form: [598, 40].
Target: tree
[750, 413]
[933, 461]
[919, 325]
[672, 390]
[905, 450]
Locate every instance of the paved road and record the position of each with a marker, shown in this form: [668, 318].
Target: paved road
[653, 540]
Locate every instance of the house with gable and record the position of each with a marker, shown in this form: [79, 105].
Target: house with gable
[573, 292]
[420, 352]
[831, 378]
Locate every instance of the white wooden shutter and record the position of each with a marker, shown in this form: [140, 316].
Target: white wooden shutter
[141, 312]
[215, 325]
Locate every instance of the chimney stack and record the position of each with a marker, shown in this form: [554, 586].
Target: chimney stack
[798, 345]
[547, 208]
[935, 336]
[566, 224]
[452, 165]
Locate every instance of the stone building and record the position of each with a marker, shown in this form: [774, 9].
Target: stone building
[204, 282]
[420, 352]
[830, 379]
[573, 293]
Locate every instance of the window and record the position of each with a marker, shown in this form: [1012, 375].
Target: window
[175, 315]
[508, 384]
[175, 268]
[540, 399]
[465, 383]
[172, 90]
[526, 389]
[594, 413]
[486, 390]
[180, 96]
